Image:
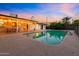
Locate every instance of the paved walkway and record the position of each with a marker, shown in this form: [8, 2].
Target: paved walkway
[19, 44]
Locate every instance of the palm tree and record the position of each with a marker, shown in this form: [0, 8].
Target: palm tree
[66, 21]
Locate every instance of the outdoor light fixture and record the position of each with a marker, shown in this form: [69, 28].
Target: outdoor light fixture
[1, 22]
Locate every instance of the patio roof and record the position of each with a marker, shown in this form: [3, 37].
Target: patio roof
[17, 17]
[23, 19]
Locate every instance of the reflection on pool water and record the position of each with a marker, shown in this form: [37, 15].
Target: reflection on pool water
[50, 37]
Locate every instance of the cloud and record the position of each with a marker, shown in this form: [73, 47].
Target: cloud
[54, 12]
[67, 9]
[4, 12]
[39, 18]
[25, 15]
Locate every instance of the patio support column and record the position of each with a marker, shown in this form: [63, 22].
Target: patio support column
[17, 26]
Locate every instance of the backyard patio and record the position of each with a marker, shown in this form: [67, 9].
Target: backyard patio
[19, 44]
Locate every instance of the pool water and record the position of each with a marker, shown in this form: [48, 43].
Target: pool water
[50, 37]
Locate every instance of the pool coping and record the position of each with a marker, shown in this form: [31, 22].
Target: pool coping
[63, 38]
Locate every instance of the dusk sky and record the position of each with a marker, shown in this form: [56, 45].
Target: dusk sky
[52, 11]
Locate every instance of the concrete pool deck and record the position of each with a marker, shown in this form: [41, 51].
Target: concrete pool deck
[18, 44]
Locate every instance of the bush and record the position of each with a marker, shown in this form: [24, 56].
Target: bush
[56, 26]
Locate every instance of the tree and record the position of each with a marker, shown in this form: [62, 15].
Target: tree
[66, 21]
[55, 25]
[60, 25]
[76, 22]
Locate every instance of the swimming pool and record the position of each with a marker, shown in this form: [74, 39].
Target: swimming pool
[50, 37]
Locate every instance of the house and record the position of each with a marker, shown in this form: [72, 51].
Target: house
[15, 24]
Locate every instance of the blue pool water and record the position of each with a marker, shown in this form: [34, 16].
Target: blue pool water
[50, 37]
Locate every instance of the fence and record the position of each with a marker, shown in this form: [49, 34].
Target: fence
[77, 30]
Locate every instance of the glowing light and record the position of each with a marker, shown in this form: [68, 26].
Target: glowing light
[1, 22]
[10, 20]
[36, 34]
